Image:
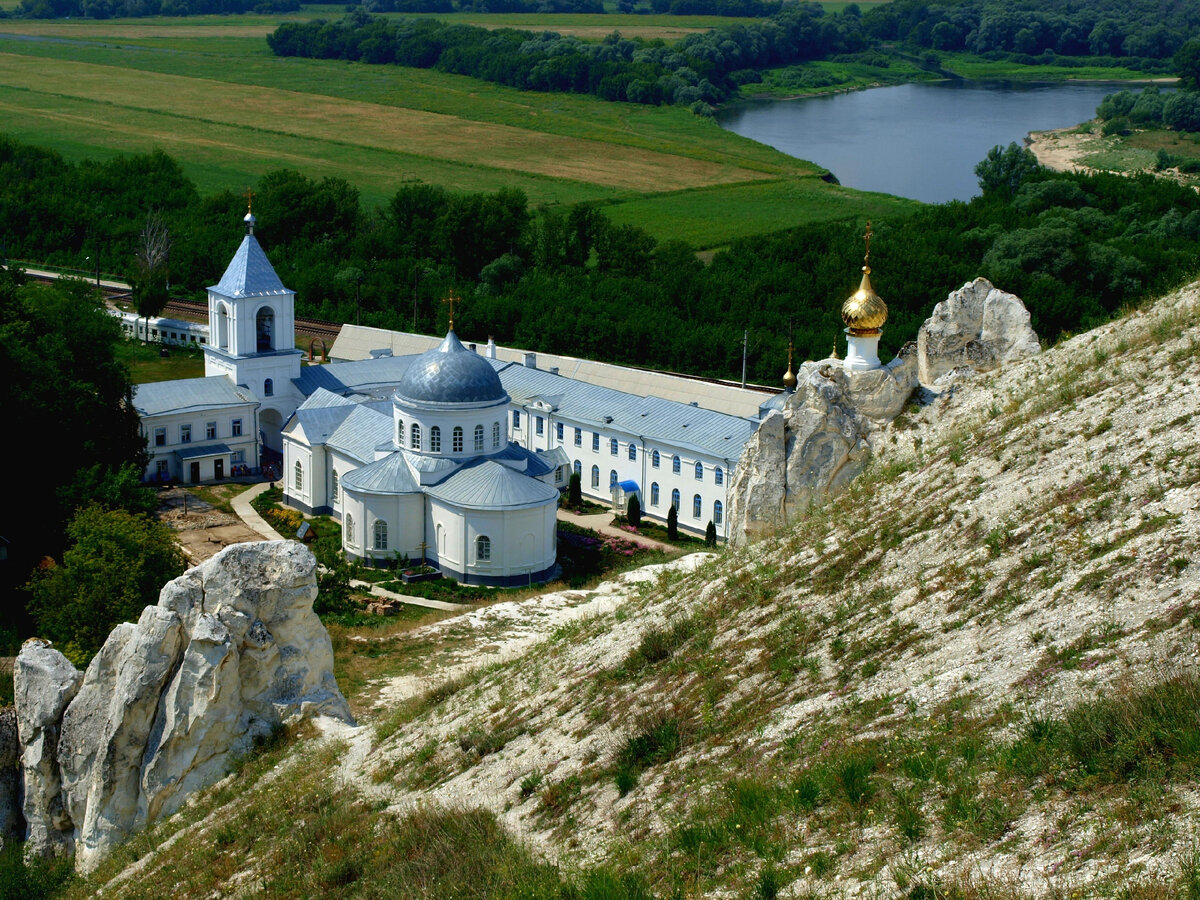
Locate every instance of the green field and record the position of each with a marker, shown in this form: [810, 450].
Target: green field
[208, 91]
[968, 66]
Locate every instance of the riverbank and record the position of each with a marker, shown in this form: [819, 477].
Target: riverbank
[1063, 149]
[1083, 148]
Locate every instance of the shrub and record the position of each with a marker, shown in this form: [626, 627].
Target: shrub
[672, 523]
[710, 534]
[633, 511]
[574, 491]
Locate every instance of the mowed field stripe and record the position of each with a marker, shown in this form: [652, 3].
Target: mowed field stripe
[415, 132]
[229, 156]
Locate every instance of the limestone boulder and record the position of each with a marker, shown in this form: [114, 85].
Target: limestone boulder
[44, 683]
[975, 329]
[756, 492]
[231, 651]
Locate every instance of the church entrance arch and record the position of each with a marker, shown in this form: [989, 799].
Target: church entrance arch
[270, 422]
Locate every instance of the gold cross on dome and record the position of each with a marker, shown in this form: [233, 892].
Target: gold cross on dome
[249, 200]
[867, 237]
[451, 299]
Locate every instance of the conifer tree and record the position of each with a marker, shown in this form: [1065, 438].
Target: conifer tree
[633, 511]
[672, 523]
[710, 534]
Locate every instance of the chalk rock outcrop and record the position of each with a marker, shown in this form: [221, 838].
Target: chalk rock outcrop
[232, 649]
[818, 443]
[975, 329]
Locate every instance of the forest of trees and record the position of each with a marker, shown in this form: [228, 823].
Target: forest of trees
[109, 9]
[567, 280]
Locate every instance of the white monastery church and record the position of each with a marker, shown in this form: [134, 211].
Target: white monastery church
[449, 454]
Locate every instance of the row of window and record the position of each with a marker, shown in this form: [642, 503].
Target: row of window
[456, 437]
[614, 449]
[483, 543]
[185, 432]
[697, 501]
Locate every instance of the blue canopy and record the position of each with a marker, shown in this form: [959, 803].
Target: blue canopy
[628, 487]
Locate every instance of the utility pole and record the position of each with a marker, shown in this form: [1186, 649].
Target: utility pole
[745, 344]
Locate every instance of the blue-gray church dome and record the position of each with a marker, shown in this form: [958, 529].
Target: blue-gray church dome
[450, 373]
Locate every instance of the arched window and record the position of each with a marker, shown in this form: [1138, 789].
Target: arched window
[675, 498]
[654, 459]
[654, 494]
[265, 329]
[435, 439]
[612, 478]
[336, 486]
[223, 327]
[478, 438]
[675, 465]
[577, 468]
[718, 475]
[414, 436]
[595, 476]
[633, 451]
[457, 439]
[269, 388]
[399, 432]
[348, 530]
[612, 446]
[699, 471]
[495, 435]
[696, 507]
[298, 480]
[718, 512]
[483, 548]
[380, 534]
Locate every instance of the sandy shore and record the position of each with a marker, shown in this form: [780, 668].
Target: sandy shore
[1061, 149]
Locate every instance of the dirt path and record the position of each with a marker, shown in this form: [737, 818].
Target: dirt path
[203, 530]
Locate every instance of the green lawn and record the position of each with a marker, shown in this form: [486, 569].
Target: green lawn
[146, 364]
[975, 68]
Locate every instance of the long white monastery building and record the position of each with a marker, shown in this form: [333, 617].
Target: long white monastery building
[452, 454]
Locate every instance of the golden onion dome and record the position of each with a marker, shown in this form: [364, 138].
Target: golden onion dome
[789, 378]
[865, 312]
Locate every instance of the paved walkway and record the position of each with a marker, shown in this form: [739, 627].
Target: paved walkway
[245, 512]
[406, 598]
[601, 522]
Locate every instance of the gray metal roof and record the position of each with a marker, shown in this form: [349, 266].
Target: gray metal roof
[492, 485]
[528, 461]
[186, 394]
[365, 376]
[249, 274]
[201, 452]
[650, 418]
[362, 431]
[451, 374]
[321, 399]
[389, 475]
[319, 424]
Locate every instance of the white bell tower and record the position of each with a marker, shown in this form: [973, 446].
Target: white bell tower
[252, 334]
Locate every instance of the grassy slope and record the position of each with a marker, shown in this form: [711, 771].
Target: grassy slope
[967, 677]
[209, 93]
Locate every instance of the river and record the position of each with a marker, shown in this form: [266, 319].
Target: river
[915, 140]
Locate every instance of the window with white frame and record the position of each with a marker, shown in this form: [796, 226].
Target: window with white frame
[699, 471]
[654, 494]
[577, 468]
[163, 468]
[718, 512]
[495, 435]
[558, 431]
[483, 548]
[655, 459]
[380, 534]
[185, 434]
[478, 438]
[632, 452]
[336, 497]
[236, 428]
[457, 438]
[595, 442]
[675, 465]
[612, 478]
[595, 476]
[348, 529]
[237, 456]
[696, 501]
[435, 439]
[516, 418]
[298, 476]
[160, 437]
[675, 498]
[578, 437]
[414, 437]
[210, 431]
[612, 447]
[718, 475]
[540, 426]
